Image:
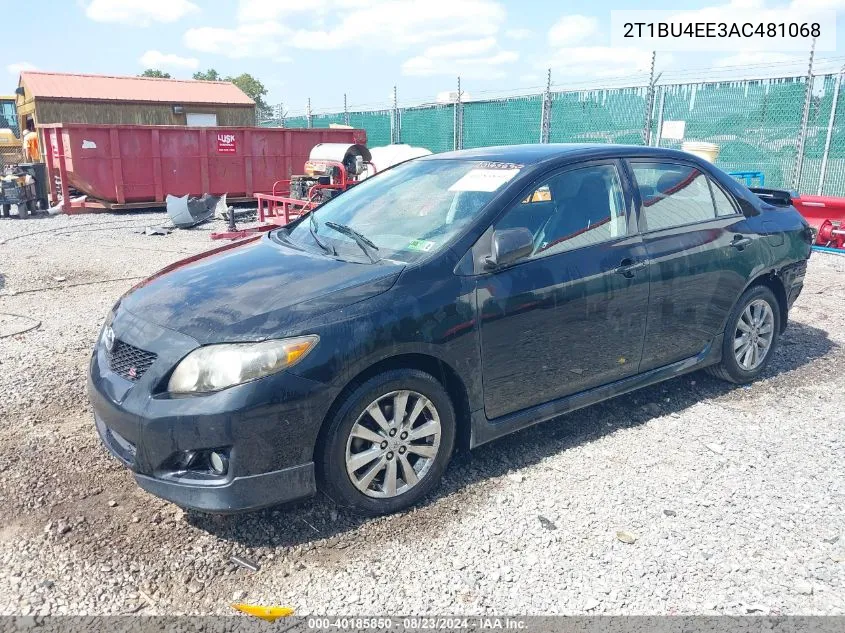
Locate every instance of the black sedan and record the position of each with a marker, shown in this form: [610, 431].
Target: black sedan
[449, 300]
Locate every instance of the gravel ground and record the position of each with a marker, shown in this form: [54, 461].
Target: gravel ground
[731, 500]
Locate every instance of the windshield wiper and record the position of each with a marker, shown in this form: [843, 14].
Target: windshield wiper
[312, 226]
[361, 240]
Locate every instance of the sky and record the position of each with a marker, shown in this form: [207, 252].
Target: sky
[324, 48]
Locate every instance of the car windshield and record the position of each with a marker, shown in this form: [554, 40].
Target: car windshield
[405, 213]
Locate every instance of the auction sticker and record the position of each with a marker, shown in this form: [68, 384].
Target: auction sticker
[484, 179]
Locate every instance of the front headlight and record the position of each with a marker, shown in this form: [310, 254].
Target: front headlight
[216, 367]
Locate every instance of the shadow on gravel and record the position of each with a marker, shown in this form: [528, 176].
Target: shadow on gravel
[318, 518]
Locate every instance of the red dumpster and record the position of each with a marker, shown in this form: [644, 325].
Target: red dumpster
[136, 166]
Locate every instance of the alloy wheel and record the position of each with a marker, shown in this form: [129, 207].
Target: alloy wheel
[755, 331]
[393, 444]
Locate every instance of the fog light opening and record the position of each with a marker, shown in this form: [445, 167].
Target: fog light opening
[186, 458]
[219, 463]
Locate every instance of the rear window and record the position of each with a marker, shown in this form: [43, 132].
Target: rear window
[673, 195]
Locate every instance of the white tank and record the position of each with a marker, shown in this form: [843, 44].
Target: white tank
[389, 155]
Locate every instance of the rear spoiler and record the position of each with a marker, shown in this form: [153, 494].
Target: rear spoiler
[775, 197]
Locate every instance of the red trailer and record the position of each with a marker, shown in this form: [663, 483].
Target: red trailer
[826, 214]
[137, 166]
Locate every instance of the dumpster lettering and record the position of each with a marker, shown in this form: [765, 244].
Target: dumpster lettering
[226, 144]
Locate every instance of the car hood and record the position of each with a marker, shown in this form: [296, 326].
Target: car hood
[253, 291]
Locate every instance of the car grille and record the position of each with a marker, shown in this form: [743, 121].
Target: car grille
[128, 361]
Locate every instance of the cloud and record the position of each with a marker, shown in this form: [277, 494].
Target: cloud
[519, 34]
[159, 60]
[744, 58]
[247, 40]
[818, 5]
[398, 24]
[572, 29]
[19, 67]
[461, 48]
[269, 10]
[467, 67]
[382, 25]
[599, 61]
[139, 12]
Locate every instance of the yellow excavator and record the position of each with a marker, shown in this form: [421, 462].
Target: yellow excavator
[11, 150]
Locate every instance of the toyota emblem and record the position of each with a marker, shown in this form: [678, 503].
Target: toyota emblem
[108, 338]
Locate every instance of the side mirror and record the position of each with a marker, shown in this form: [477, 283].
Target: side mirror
[508, 246]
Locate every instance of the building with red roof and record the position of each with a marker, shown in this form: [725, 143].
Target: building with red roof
[48, 97]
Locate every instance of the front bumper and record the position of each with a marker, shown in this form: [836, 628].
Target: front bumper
[268, 427]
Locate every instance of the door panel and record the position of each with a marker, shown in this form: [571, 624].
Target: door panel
[696, 277]
[571, 316]
[555, 326]
[700, 254]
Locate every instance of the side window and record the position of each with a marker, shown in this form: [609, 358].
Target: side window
[672, 195]
[572, 209]
[724, 205]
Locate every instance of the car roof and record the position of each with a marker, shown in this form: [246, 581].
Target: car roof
[530, 154]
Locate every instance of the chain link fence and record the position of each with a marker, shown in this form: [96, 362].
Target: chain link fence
[756, 123]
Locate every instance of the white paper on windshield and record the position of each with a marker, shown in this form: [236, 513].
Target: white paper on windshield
[484, 179]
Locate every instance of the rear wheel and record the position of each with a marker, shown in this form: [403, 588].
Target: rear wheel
[751, 336]
[388, 444]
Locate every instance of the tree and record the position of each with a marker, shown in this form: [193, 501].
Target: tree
[154, 72]
[208, 75]
[251, 87]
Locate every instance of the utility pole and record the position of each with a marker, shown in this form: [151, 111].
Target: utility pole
[805, 118]
[546, 111]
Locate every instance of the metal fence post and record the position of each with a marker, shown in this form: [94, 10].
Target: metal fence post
[309, 120]
[649, 102]
[345, 111]
[280, 114]
[395, 124]
[805, 119]
[830, 122]
[458, 121]
[546, 110]
[658, 135]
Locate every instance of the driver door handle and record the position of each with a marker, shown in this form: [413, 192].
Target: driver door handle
[740, 242]
[628, 267]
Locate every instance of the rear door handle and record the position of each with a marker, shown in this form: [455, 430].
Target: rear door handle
[740, 242]
[628, 267]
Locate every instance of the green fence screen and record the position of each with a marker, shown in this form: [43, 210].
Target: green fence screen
[757, 124]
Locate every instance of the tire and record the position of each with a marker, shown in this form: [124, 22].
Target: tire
[339, 445]
[731, 368]
[23, 210]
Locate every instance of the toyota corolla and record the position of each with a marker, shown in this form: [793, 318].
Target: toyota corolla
[449, 300]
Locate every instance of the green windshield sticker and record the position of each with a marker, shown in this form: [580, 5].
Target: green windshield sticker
[421, 245]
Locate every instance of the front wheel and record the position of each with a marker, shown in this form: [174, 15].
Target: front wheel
[751, 336]
[388, 444]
